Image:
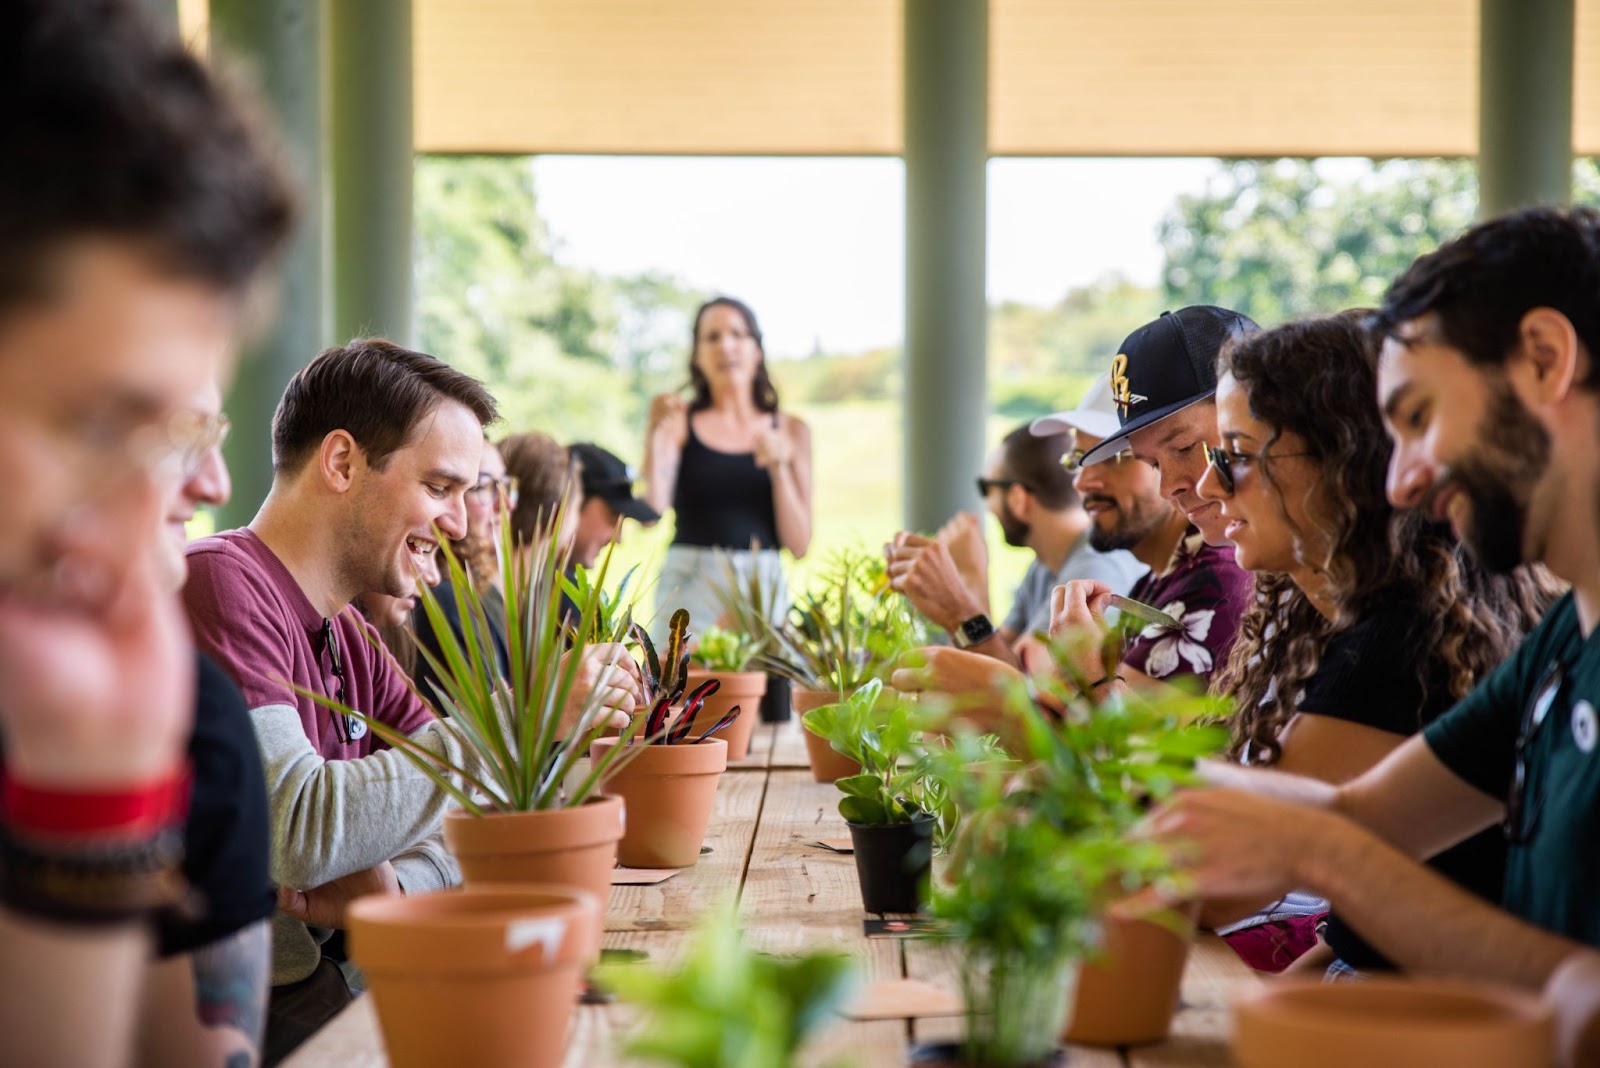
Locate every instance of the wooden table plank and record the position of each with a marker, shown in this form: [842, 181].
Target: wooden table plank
[760, 755]
[677, 903]
[789, 746]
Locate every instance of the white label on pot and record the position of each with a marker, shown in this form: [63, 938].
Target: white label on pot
[622, 818]
[547, 932]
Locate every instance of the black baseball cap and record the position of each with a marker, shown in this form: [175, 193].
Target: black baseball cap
[605, 476]
[1165, 366]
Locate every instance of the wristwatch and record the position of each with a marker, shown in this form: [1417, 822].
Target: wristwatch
[973, 631]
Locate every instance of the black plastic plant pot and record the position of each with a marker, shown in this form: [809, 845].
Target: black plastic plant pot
[953, 1055]
[775, 703]
[893, 861]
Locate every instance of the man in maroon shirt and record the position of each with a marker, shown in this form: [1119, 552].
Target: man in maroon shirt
[374, 447]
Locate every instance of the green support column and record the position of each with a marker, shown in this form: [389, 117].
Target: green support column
[946, 151]
[281, 42]
[1524, 104]
[370, 78]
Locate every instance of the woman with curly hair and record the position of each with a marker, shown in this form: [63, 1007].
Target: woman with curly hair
[1367, 622]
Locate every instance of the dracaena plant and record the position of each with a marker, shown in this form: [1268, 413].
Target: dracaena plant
[1044, 845]
[882, 732]
[724, 1006]
[751, 603]
[667, 679]
[518, 756]
[848, 628]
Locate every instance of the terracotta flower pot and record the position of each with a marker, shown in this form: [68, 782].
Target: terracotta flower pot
[669, 791]
[478, 977]
[1389, 1023]
[561, 846]
[742, 688]
[1126, 994]
[827, 763]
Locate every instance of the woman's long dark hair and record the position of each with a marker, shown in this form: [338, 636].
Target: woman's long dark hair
[763, 392]
[1317, 379]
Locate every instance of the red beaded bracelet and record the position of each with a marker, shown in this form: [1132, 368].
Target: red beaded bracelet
[133, 812]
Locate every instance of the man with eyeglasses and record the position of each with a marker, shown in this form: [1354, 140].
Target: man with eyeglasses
[138, 207]
[1029, 492]
[374, 447]
[1490, 391]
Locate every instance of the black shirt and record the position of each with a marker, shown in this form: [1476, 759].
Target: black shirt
[423, 675]
[225, 836]
[1368, 675]
[722, 499]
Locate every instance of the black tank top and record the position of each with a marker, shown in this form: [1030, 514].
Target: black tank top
[723, 500]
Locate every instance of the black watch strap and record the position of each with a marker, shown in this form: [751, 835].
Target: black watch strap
[973, 631]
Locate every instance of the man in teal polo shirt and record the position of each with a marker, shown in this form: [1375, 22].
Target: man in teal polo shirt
[1490, 388]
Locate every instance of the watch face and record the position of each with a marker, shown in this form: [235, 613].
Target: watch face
[977, 629]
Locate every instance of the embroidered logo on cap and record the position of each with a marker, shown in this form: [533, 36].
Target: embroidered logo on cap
[1120, 390]
[1585, 729]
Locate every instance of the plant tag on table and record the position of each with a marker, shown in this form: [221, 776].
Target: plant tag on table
[903, 999]
[898, 927]
[1145, 612]
[641, 876]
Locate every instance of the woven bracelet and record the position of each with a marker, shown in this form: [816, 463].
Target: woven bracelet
[91, 883]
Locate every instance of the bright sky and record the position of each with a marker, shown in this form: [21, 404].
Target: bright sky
[815, 245]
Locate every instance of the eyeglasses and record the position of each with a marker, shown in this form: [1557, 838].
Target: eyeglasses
[1222, 462]
[1519, 823]
[987, 484]
[1072, 460]
[192, 437]
[350, 727]
[488, 484]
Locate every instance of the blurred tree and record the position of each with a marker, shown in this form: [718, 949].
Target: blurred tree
[568, 351]
[1275, 239]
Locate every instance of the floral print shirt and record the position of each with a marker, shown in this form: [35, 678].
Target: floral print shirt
[1208, 593]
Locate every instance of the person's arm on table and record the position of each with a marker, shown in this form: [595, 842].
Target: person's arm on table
[1358, 846]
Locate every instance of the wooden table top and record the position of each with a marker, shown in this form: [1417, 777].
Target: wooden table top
[792, 895]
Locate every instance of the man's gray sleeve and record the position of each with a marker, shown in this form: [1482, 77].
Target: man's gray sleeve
[333, 817]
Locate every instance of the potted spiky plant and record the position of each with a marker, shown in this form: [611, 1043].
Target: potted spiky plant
[727, 656]
[1044, 849]
[670, 780]
[850, 627]
[527, 814]
[896, 802]
[723, 1006]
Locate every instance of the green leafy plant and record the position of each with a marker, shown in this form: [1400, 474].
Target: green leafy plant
[724, 1006]
[725, 651]
[1044, 846]
[750, 604]
[521, 738]
[881, 732]
[849, 628]
[613, 614]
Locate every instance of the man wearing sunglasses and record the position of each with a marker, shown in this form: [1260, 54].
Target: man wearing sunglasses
[1161, 387]
[1028, 491]
[1490, 391]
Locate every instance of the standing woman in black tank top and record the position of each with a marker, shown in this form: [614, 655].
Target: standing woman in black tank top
[734, 469]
